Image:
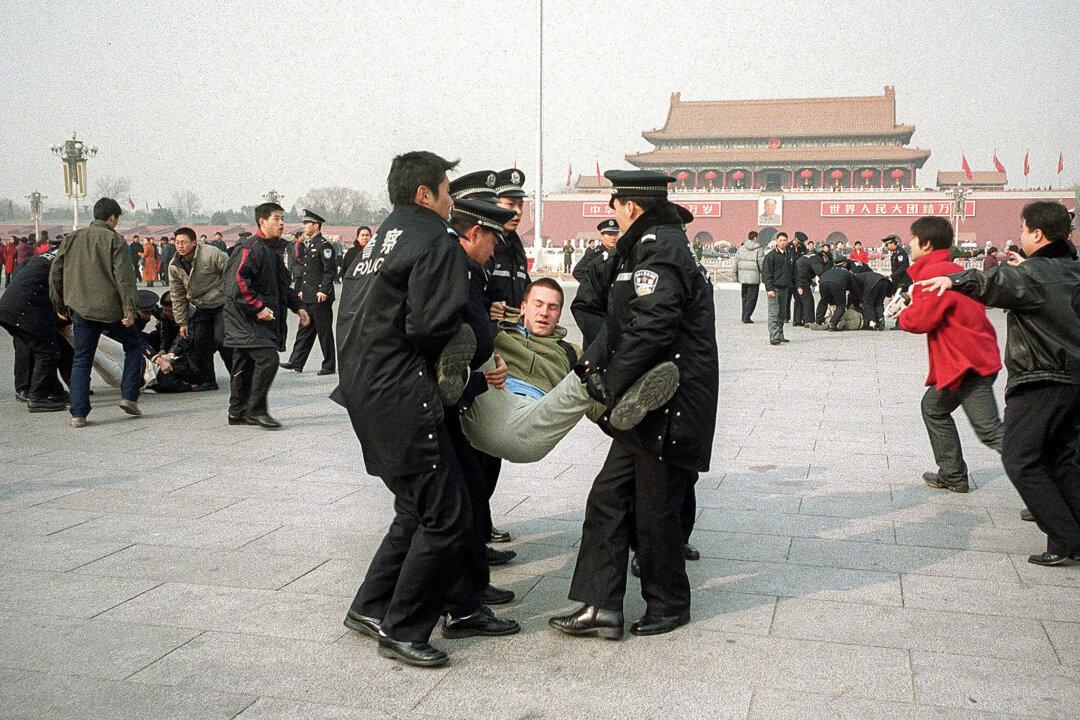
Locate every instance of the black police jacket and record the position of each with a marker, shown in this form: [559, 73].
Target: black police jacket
[866, 280]
[589, 307]
[256, 278]
[660, 307]
[1042, 295]
[777, 270]
[25, 303]
[898, 264]
[805, 269]
[319, 269]
[402, 298]
[509, 273]
[837, 278]
[586, 259]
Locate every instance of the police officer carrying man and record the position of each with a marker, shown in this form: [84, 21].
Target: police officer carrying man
[589, 307]
[405, 354]
[898, 264]
[316, 289]
[660, 307]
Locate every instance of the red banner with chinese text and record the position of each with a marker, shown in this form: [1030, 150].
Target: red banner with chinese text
[893, 208]
[703, 209]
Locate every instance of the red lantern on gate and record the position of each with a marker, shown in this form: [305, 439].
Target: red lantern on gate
[896, 174]
[806, 174]
[866, 174]
[710, 175]
[738, 175]
[683, 176]
[836, 174]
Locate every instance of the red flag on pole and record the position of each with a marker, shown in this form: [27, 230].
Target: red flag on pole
[569, 173]
[967, 168]
[599, 175]
[1027, 163]
[997, 164]
[1061, 162]
[131, 203]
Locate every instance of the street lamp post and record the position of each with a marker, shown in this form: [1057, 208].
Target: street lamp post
[959, 197]
[273, 196]
[36, 204]
[73, 153]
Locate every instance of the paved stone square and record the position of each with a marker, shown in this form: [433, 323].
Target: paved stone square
[174, 567]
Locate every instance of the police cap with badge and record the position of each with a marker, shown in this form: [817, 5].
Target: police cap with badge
[608, 227]
[508, 183]
[642, 184]
[310, 217]
[484, 214]
[894, 239]
[479, 185]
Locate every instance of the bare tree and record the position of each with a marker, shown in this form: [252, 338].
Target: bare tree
[342, 205]
[186, 204]
[117, 188]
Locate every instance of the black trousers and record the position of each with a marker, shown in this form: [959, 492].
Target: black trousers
[874, 302]
[637, 494]
[1040, 455]
[749, 299]
[207, 335]
[472, 473]
[831, 296]
[491, 466]
[321, 325]
[37, 360]
[417, 568]
[253, 371]
[804, 306]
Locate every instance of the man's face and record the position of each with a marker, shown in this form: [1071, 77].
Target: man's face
[624, 213]
[311, 229]
[781, 242]
[166, 310]
[858, 246]
[540, 311]
[917, 250]
[609, 240]
[770, 207]
[1030, 240]
[273, 226]
[184, 245]
[810, 245]
[515, 204]
[363, 237]
[479, 244]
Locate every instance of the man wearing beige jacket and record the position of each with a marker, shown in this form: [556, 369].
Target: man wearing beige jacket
[198, 295]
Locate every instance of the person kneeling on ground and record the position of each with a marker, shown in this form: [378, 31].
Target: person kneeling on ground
[544, 396]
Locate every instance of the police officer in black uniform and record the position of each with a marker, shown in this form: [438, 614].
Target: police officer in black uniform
[834, 285]
[660, 307]
[317, 293]
[589, 306]
[898, 264]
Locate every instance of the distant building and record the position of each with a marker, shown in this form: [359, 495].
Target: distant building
[980, 180]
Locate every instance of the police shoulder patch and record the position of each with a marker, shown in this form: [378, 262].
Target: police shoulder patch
[328, 252]
[645, 282]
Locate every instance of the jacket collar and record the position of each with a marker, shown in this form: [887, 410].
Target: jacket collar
[421, 213]
[918, 267]
[556, 335]
[99, 223]
[1056, 250]
[666, 213]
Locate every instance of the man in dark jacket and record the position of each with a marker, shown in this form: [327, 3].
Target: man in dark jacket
[589, 306]
[27, 313]
[403, 356]
[363, 237]
[318, 271]
[804, 283]
[660, 307]
[510, 270]
[793, 310]
[834, 285]
[135, 249]
[259, 294]
[777, 269]
[869, 290]
[898, 263]
[1042, 354]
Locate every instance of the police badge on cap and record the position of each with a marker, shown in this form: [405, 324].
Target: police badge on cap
[485, 214]
[310, 217]
[479, 185]
[608, 227]
[508, 183]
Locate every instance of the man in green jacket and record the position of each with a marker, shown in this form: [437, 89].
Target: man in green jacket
[544, 398]
[92, 282]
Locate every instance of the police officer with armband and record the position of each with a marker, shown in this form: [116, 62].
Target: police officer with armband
[318, 270]
[660, 307]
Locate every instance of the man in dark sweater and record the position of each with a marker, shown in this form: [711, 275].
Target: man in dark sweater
[777, 270]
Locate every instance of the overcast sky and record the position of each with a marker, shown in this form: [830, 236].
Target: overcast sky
[230, 99]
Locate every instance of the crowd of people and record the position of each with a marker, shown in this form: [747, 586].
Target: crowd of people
[451, 358]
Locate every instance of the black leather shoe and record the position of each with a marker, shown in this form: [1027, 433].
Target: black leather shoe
[690, 552]
[1050, 559]
[784, 340]
[934, 480]
[499, 557]
[45, 405]
[419, 654]
[635, 566]
[651, 391]
[500, 536]
[483, 622]
[60, 396]
[238, 420]
[659, 624]
[774, 342]
[1026, 515]
[326, 372]
[263, 421]
[291, 366]
[591, 621]
[22, 397]
[206, 387]
[363, 624]
[492, 595]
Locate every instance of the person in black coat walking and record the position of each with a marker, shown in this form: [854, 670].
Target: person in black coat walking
[257, 285]
[660, 307]
[317, 274]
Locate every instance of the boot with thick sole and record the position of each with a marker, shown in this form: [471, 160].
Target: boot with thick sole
[650, 392]
[452, 368]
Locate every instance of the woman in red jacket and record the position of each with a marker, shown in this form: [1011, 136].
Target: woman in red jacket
[7, 257]
[859, 253]
[150, 262]
[964, 356]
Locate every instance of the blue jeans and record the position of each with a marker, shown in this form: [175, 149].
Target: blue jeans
[87, 333]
